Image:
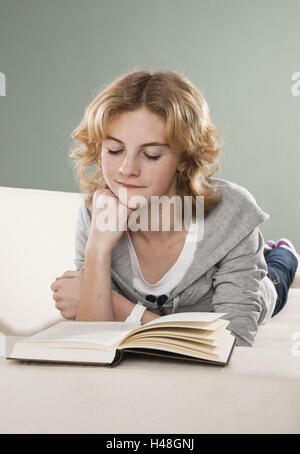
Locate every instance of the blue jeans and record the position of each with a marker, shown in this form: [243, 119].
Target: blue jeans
[282, 266]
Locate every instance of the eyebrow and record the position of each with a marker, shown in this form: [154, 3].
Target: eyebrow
[149, 144]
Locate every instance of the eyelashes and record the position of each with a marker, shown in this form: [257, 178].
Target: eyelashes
[154, 158]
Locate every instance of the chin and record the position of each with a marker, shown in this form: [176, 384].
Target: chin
[114, 188]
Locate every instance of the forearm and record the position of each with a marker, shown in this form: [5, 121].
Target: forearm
[96, 293]
[122, 308]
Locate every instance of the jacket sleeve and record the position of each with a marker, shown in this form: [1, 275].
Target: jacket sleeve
[82, 229]
[237, 287]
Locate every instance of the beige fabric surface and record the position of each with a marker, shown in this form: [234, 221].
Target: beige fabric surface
[259, 392]
[296, 281]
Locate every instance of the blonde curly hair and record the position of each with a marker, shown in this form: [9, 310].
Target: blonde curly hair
[189, 131]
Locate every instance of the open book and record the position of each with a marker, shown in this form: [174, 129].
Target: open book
[194, 336]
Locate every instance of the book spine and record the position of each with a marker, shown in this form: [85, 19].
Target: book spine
[117, 359]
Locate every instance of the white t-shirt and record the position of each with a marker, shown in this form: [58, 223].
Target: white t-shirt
[172, 278]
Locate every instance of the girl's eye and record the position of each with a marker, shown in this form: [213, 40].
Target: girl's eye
[119, 151]
[152, 157]
[113, 151]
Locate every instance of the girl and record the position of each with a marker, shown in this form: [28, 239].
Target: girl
[151, 134]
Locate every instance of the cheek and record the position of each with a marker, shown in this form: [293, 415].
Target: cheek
[163, 176]
[108, 165]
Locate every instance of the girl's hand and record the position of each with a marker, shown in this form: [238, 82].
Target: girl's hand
[66, 292]
[109, 222]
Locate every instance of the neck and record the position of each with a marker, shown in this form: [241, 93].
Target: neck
[160, 232]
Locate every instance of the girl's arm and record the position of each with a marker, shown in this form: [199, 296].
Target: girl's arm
[123, 307]
[95, 302]
[67, 290]
[96, 293]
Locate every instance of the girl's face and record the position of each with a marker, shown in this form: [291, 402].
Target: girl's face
[135, 152]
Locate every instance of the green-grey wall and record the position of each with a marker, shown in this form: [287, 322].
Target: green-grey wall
[241, 54]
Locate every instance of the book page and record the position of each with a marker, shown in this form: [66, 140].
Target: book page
[200, 327]
[208, 337]
[222, 356]
[102, 333]
[165, 342]
[204, 317]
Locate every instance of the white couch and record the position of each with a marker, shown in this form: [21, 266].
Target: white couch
[37, 245]
[258, 392]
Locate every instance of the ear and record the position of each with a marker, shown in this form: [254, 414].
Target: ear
[181, 166]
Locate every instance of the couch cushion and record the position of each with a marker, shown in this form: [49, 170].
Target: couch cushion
[296, 281]
[283, 329]
[37, 245]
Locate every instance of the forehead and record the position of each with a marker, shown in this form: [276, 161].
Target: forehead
[138, 126]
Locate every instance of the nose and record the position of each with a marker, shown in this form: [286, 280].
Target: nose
[129, 167]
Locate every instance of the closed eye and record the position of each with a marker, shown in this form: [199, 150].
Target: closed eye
[119, 151]
[113, 151]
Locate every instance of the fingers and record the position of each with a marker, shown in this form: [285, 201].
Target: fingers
[54, 286]
[109, 193]
[104, 193]
[70, 274]
[64, 312]
[68, 315]
[124, 211]
[65, 275]
[59, 305]
[57, 297]
[96, 196]
[97, 193]
[60, 302]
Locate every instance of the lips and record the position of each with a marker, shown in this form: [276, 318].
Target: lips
[129, 185]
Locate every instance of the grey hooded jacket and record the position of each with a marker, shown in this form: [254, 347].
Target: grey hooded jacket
[228, 272]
